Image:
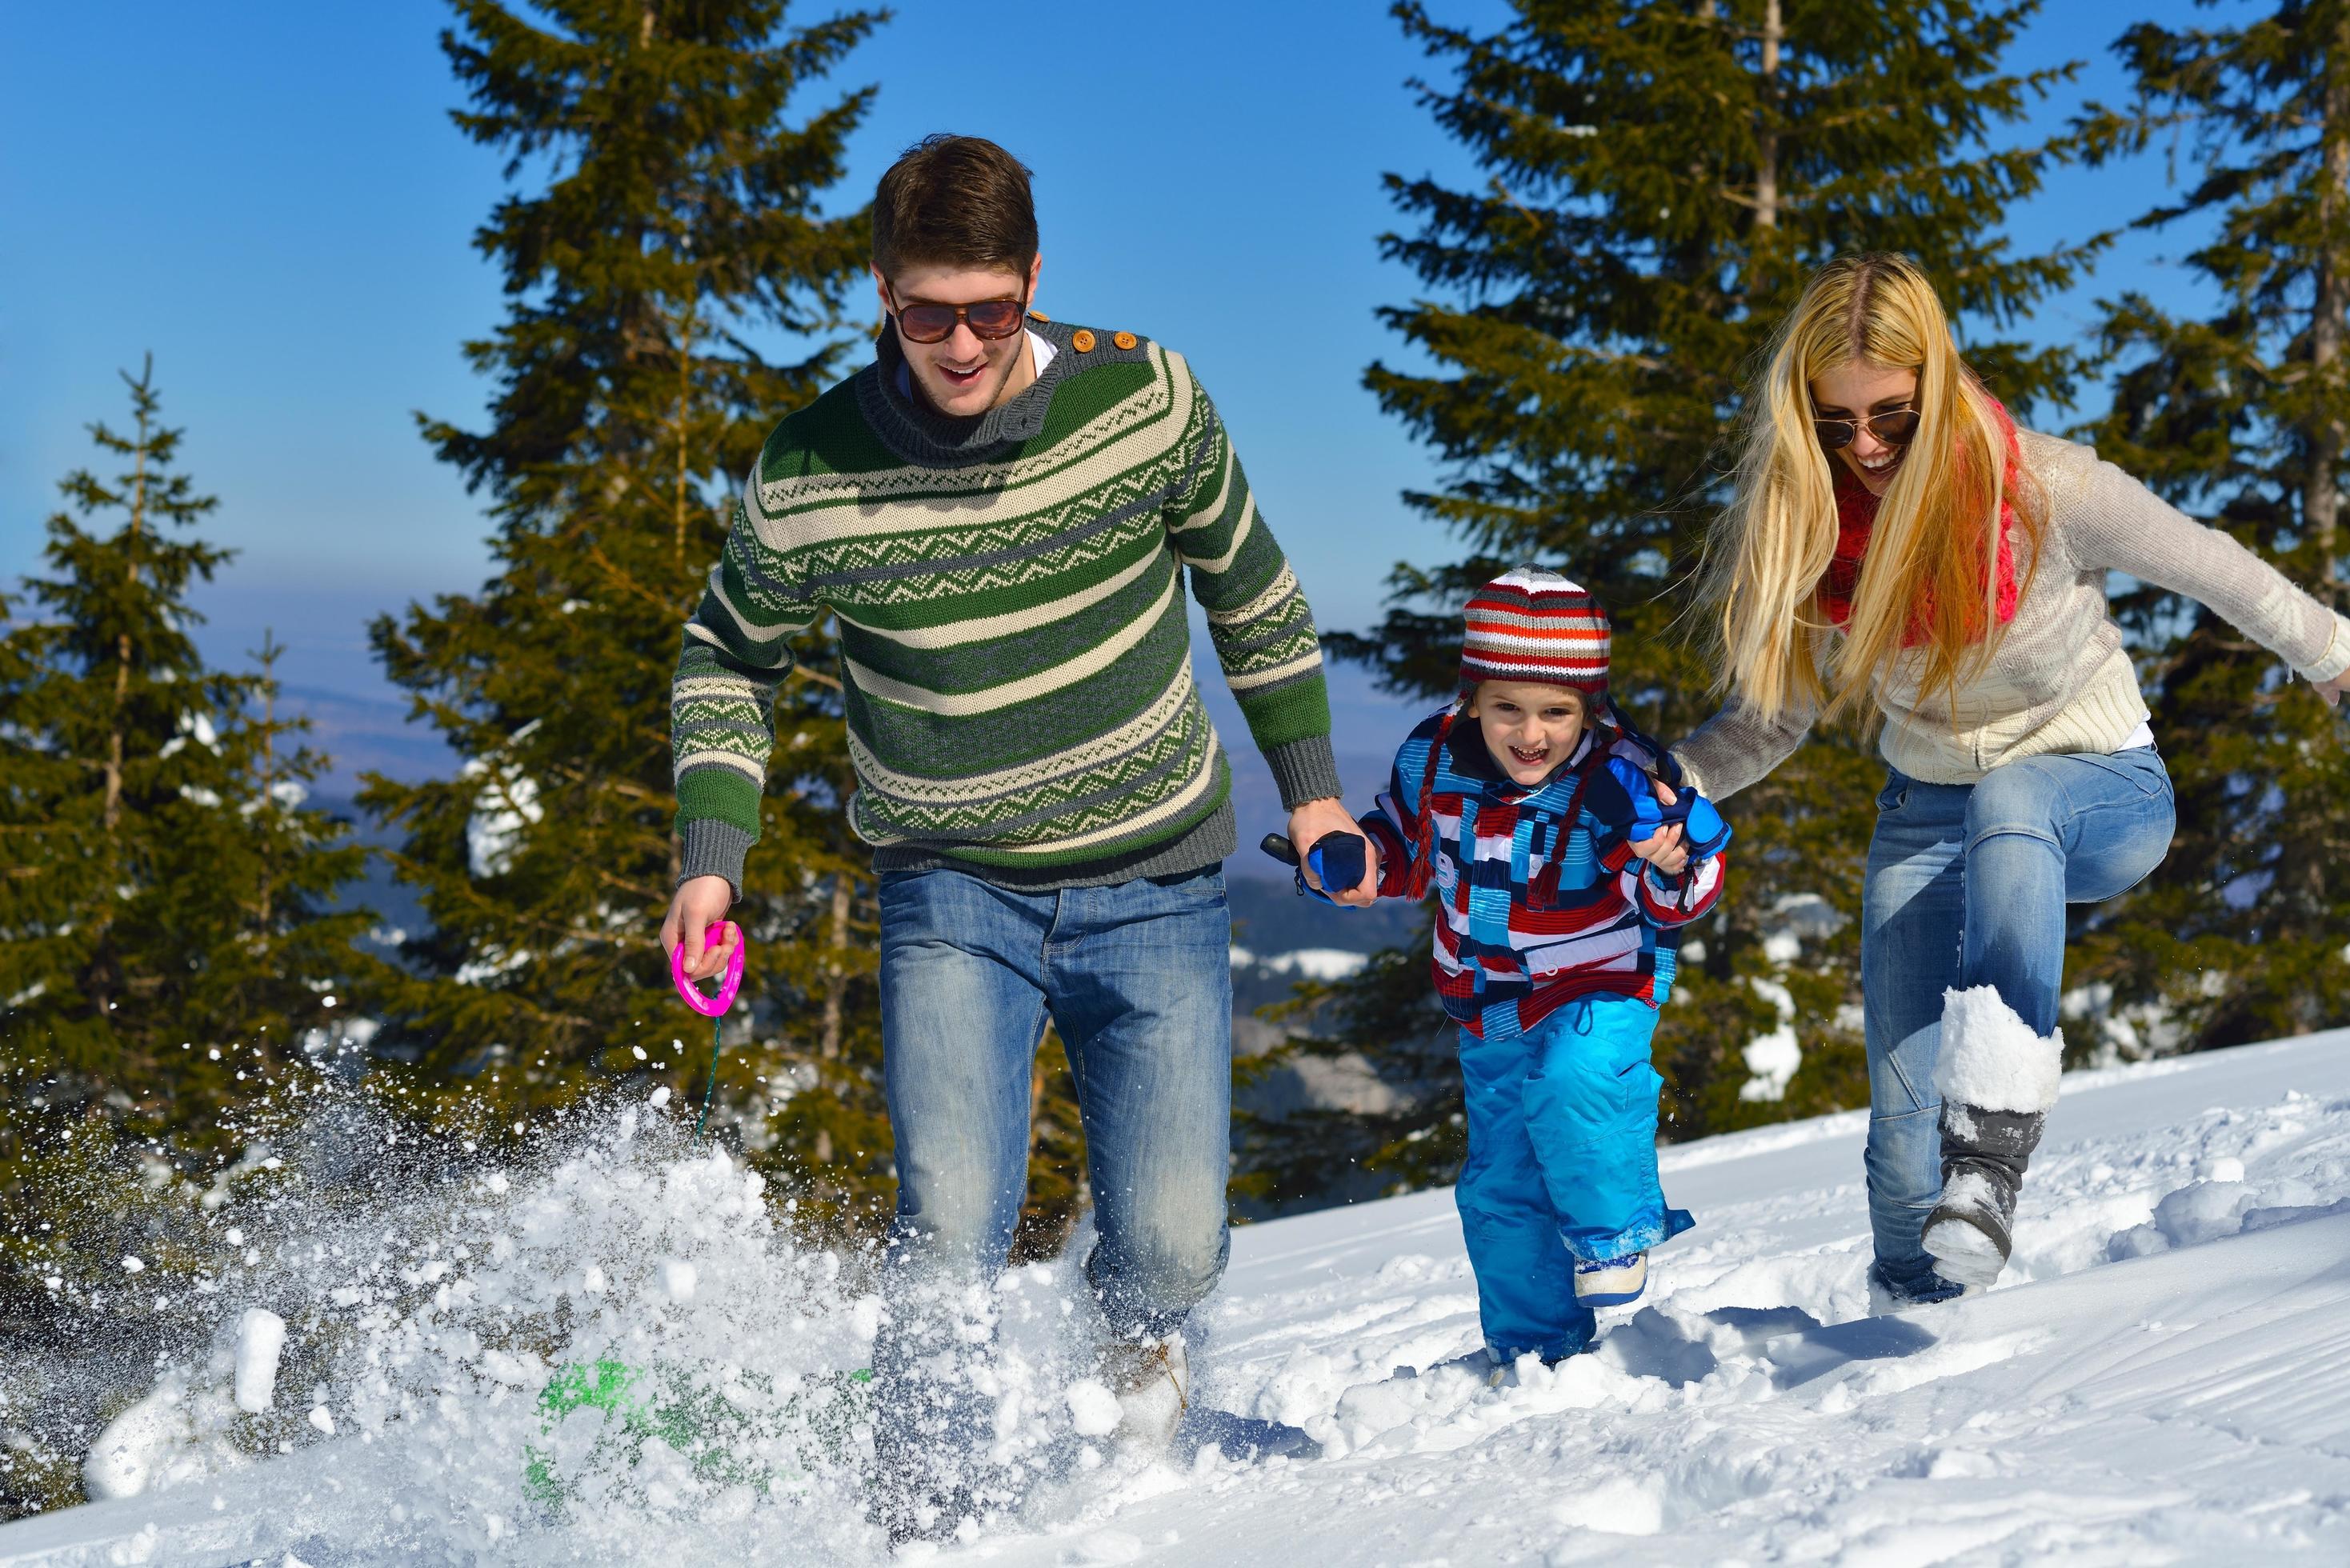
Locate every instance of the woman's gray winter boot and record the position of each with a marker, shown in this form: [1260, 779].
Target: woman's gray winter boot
[1997, 1083]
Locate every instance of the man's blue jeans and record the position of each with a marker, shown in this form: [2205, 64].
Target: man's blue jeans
[1967, 886]
[1137, 977]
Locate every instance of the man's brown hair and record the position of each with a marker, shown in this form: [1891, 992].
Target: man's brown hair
[954, 200]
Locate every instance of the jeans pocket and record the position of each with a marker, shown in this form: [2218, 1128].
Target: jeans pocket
[1894, 795]
[896, 885]
[2140, 766]
[1207, 886]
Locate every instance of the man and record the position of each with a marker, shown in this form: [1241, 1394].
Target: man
[998, 512]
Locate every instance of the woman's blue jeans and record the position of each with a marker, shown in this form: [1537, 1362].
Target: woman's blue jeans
[1967, 886]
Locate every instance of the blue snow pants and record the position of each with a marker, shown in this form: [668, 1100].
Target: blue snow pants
[1562, 1165]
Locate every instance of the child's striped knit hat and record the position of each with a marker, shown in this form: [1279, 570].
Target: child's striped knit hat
[1532, 625]
[1525, 625]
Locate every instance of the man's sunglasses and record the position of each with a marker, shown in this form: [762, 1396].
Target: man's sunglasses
[1894, 427]
[989, 318]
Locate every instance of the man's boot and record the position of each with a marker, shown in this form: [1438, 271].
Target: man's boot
[1997, 1083]
[1152, 1381]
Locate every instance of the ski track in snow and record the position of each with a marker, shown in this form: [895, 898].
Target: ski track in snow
[2162, 1375]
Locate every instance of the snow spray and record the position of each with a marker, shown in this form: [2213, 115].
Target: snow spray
[729, 1427]
[401, 1328]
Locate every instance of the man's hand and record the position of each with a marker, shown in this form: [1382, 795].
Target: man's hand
[1669, 850]
[1315, 820]
[701, 903]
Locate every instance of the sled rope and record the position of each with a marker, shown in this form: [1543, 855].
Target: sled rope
[710, 1087]
[710, 1007]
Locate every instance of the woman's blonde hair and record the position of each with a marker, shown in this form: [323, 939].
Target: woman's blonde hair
[1927, 584]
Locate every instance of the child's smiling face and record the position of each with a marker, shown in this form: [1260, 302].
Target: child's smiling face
[1528, 727]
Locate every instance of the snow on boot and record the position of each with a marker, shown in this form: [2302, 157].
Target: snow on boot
[1615, 1282]
[1151, 1379]
[1997, 1083]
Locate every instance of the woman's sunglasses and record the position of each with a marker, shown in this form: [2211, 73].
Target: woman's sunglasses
[1894, 427]
[989, 318]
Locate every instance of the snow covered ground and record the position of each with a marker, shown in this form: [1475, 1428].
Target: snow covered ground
[2163, 1377]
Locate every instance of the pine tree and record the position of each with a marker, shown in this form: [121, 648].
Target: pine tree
[166, 947]
[1661, 175]
[677, 229]
[2239, 415]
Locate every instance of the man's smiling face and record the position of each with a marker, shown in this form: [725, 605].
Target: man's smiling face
[963, 374]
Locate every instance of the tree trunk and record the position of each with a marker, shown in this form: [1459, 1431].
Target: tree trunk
[113, 811]
[1766, 140]
[836, 977]
[268, 770]
[105, 977]
[684, 469]
[2321, 499]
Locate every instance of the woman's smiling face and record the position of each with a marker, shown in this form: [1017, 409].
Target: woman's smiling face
[1854, 391]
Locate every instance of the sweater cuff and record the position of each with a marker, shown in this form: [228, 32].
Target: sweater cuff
[2336, 658]
[1304, 770]
[714, 848]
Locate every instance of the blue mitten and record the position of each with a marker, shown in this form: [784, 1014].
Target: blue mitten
[1707, 832]
[1339, 859]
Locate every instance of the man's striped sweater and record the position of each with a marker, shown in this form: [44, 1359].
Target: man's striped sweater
[1540, 897]
[1008, 592]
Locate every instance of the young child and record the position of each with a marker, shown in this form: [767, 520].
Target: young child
[1529, 807]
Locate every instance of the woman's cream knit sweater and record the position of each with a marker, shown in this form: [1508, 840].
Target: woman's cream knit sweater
[2059, 680]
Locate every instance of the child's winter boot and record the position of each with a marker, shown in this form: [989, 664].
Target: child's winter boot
[1997, 1083]
[1617, 1281]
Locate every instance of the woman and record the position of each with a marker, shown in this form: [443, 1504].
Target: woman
[1898, 551]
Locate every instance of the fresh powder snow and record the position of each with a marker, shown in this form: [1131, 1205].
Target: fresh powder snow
[2163, 1375]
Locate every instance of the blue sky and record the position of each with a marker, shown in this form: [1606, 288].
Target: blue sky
[271, 199]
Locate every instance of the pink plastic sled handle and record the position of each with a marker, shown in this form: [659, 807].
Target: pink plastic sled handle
[728, 983]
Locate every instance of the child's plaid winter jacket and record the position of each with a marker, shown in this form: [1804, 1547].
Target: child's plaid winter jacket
[1542, 898]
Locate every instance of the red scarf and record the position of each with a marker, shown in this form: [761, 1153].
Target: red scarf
[1856, 517]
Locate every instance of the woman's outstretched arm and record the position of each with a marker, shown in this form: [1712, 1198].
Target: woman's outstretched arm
[2116, 524]
[1737, 747]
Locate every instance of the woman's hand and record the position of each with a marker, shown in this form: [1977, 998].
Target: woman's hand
[2334, 691]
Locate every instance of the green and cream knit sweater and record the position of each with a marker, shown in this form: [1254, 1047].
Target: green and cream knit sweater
[1020, 695]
